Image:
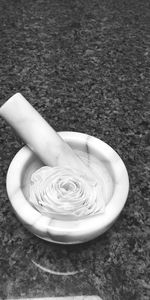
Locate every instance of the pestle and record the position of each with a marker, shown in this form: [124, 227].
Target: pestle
[41, 138]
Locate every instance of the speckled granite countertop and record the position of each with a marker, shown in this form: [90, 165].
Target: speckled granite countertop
[84, 65]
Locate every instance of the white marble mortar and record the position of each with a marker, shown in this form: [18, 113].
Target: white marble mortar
[66, 231]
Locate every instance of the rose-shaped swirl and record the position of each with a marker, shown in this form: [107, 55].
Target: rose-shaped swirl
[65, 194]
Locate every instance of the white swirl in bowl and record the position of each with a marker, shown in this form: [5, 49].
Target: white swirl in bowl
[65, 194]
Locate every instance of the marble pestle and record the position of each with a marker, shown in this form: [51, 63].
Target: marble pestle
[41, 138]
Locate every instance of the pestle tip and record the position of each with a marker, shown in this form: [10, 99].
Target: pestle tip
[16, 96]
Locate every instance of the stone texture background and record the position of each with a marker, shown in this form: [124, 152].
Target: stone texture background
[84, 65]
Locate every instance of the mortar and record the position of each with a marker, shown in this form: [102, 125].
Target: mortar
[69, 231]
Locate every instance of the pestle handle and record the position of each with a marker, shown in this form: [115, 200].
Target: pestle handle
[38, 134]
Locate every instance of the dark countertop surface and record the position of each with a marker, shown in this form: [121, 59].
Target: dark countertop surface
[84, 65]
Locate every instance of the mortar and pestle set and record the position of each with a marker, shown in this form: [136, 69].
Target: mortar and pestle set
[66, 187]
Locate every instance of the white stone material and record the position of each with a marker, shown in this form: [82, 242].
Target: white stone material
[68, 231]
